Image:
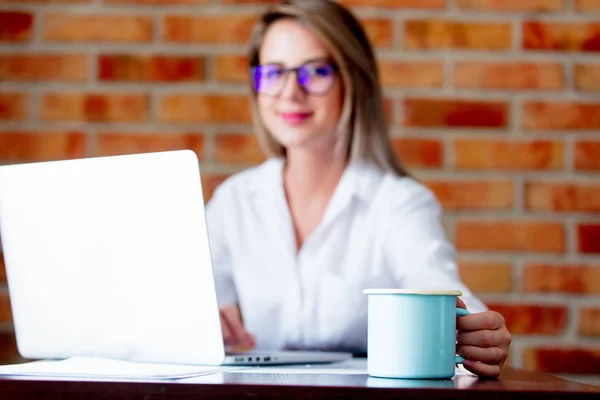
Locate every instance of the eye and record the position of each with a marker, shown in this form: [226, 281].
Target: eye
[318, 70]
[272, 72]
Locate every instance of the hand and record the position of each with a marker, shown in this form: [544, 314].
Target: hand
[234, 333]
[483, 340]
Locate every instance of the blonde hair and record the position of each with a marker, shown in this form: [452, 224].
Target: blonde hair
[362, 129]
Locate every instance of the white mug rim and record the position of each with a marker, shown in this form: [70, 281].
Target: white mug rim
[428, 292]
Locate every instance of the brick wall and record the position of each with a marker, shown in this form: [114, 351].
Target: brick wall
[495, 104]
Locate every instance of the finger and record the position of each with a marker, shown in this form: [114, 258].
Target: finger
[489, 320]
[460, 303]
[488, 355]
[484, 338]
[234, 321]
[227, 335]
[483, 370]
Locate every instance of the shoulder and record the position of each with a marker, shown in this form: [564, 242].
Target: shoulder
[405, 194]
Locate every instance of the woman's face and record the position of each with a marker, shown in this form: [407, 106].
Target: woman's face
[301, 109]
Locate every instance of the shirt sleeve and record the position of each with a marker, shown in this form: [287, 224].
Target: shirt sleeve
[216, 219]
[420, 254]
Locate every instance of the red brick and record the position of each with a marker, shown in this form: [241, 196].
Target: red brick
[13, 106]
[115, 143]
[156, 2]
[455, 113]
[95, 107]
[587, 77]
[512, 5]
[566, 278]
[380, 31]
[43, 67]
[5, 311]
[137, 68]
[8, 348]
[444, 34]
[413, 74]
[250, 1]
[485, 276]
[210, 182]
[532, 319]
[548, 196]
[561, 115]
[587, 5]
[587, 156]
[508, 75]
[499, 154]
[589, 238]
[217, 108]
[2, 269]
[238, 149]
[561, 36]
[420, 153]
[589, 321]
[41, 146]
[427, 4]
[473, 195]
[15, 26]
[502, 235]
[46, 1]
[231, 68]
[98, 28]
[557, 360]
[217, 29]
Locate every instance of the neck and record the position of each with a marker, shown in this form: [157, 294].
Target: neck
[311, 174]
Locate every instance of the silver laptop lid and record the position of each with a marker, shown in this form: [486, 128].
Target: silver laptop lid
[109, 257]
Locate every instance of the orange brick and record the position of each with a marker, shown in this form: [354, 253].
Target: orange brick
[587, 5]
[137, 68]
[44, 67]
[210, 182]
[2, 269]
[508, 75]
[444, 34]
[13, 106]
[46, 1]
[217, 108]
[5, 311]
[589, 321]
[427, 4]
[156, 2]
[473, 195]
[116, 143]
[238, 149]
[411, 73]
[421, 153]
[97, 28]
[231, 68]
[217, 29]
[16, 146]
[484, 276]
[558, 360]
[15, 26]
[481, 154]
[588, 236]
[502, 235]
[512, 5]
[565, 36]
[380, 31]
[546, 196]
[8, 348]
[587, 155]
[95, 107]
[561, 115]
[587, 77]
[566, 278]
[532, 319]
[250, 1]
[455, 113]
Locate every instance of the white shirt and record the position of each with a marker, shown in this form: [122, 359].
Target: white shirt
[378, 231]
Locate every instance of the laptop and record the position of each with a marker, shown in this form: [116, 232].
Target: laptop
[110, 257]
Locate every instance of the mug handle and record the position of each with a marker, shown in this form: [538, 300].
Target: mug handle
[460, 312]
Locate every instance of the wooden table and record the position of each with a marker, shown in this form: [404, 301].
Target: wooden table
[512, 385]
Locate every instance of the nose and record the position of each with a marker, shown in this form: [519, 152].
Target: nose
[291, 89]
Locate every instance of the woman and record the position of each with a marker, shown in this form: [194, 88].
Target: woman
[296, 239]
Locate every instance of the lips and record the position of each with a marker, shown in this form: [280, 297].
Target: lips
[295, 118]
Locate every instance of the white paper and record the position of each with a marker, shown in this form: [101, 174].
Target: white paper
[108, 368]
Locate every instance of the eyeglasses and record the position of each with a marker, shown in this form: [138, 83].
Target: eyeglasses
[314, 77]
